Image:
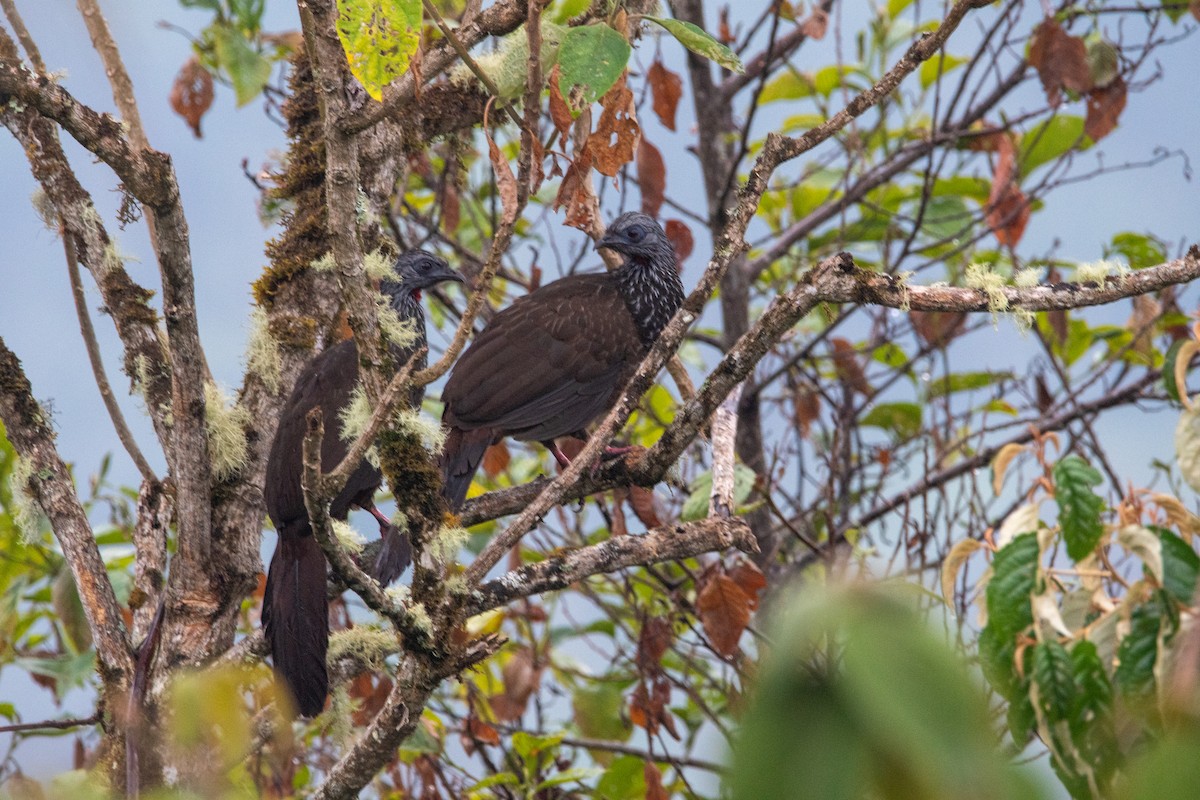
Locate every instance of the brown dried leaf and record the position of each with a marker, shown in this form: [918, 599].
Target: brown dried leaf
[1104, 107]
[496, 459]
[612, 144]
[451, 208]
[479, 731]
[1141, 324]
[938, 328]
[808, 408]
[192, 94]
[537, 173]
[506, 182]
[1008, 209]
[814, 27]
[654, 784]
[521, 679]
[847, 367]
[750, 579]
[1061, 61]
[655, 637]
[724, 32]
[724, 611]
[666, 87]
[560, 112]
[641, 500]
[652, 177]
[371, 694]
[574, 193]
[681, 239]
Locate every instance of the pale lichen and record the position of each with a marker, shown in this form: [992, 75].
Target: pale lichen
[364, 644]
[429, 431]
[44, 207]
[325, 263]
[378, 266]
[350, 539]
[262, 352]
[445, 545]
[401, 332]
[226, 423]
[1027, 278]
[981, 277]
[1097, 271]
[26, 513]
[356, 415]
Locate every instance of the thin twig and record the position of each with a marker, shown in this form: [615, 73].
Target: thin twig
[53, 724]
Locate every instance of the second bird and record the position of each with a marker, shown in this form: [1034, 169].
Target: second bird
[295, 610]
[558, 358]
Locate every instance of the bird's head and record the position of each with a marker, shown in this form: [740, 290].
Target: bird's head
[638, 236]
[417, 270]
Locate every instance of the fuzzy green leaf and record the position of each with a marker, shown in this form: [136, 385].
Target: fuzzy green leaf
[1052, 674]
[1078, 506]
[379, 38]
[700, 42]
[1014, 572]
[1181, 565]
[592, 56]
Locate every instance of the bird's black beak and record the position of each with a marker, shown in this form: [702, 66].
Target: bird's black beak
[444, 273]
[611, 242]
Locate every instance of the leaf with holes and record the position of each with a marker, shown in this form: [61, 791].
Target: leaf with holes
[379, 38]
[611, 145]
[700, 42]
[1078, 506]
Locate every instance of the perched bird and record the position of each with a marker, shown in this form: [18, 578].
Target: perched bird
[295, 611]
[557, 358]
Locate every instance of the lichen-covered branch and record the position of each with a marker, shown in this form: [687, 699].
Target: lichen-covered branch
[668, 543]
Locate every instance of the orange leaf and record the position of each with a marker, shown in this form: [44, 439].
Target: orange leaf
[560, 112]
[1061, 61]
[845, 364]
[482, 732]
[666, 88]
[641, 500]
[1104, 107]
[654, 784]
[653, 641]
[495, 459]
[681, 239]
[1008, 208]
[616, 121]
[750, 579]
[808, 408]
[451, 208]
[574, 194]
[192, 94]
[724, 611]
[652, 177]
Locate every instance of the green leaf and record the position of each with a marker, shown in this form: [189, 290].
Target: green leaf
[937, 66]
[700, 42]
[561, 11]
[1140, 250]
[901, 419]
[598, 708]
[527, 745]
[1048, 140]
[791, 85]
[965, 382]
[592, 56]
[625, 779]
[1078, 506]
[248, 69]
[379, 38]
[1168, 370]
[1102, 58]
[1091, 720]
[1014, 571]
[573, 775]
[1169, 770]
[946, 217]
[696, 506]
[1052, 675]
[1181, 565]
[894, 7]
[1139, 650]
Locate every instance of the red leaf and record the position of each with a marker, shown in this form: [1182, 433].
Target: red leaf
[1061, 61]
[495, 459]
[724, 611]
[653, 641]
[192, 94]
[681, 239]
[652, 177]
[666, 87]
[1104, 108]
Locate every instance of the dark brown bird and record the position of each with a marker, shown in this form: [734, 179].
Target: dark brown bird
[556, 359]
[295, 610]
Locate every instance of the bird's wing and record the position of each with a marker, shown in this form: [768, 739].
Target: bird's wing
[555, 355]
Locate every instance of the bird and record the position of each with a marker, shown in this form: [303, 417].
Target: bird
[295, 614]
[558, 358]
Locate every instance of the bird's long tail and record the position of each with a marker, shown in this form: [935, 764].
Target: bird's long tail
[460, 458]
[296, 618]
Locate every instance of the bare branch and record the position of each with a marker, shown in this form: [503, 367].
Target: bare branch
[724, 434]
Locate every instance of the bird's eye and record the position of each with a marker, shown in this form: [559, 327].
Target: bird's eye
[635, 233]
